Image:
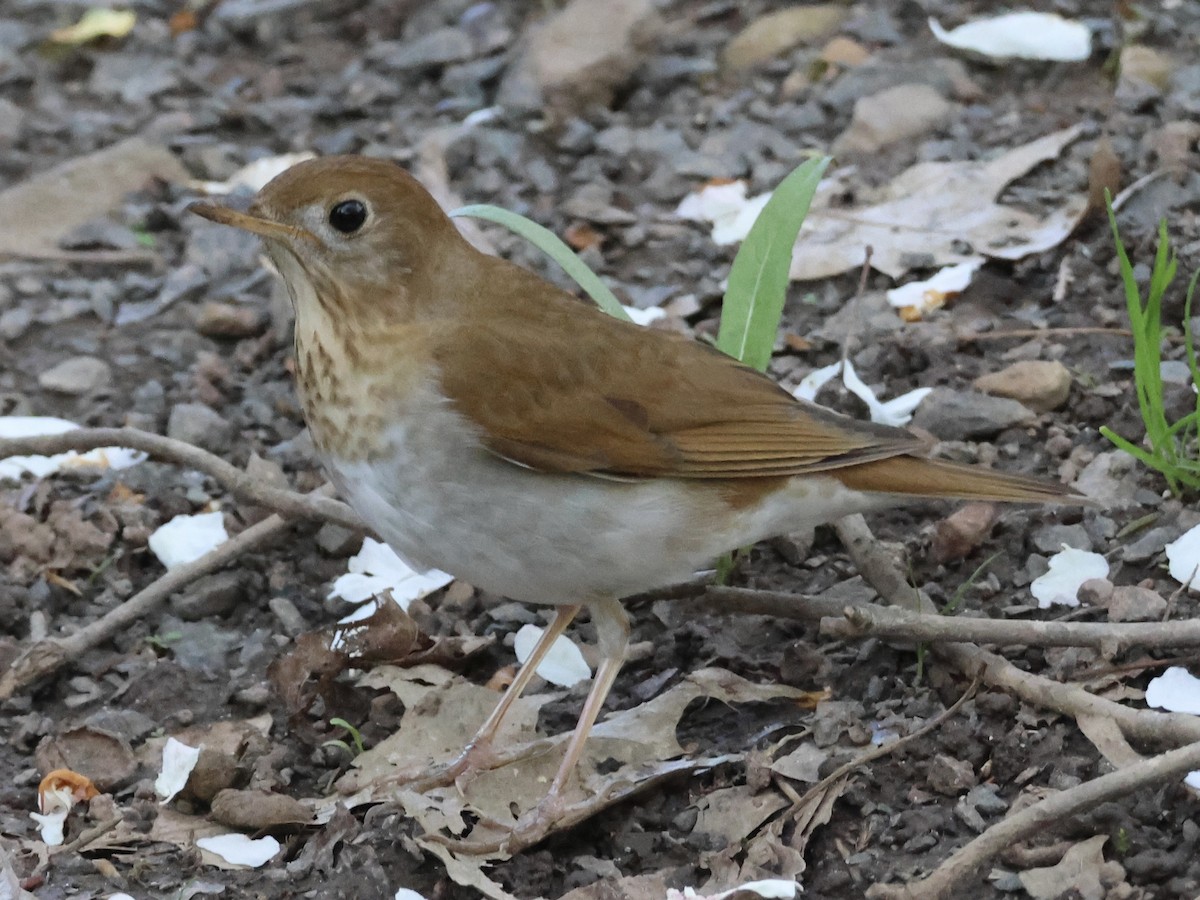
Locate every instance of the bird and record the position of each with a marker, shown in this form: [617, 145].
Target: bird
[487, 423]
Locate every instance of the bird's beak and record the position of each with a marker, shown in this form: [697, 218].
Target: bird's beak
[267, 228]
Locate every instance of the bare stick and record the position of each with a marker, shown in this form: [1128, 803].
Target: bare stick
[47, 656]
[242, 485]
[949, 879]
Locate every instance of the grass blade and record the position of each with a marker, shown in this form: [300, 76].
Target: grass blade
[758, 279]
[550, 244]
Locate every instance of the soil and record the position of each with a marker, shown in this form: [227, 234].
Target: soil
[255, 79]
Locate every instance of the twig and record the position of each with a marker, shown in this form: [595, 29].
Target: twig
[242, 485]
[1109, 638]
[879, 570]
[949, 878]
[47, 656]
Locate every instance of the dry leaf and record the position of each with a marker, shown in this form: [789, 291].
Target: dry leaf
[936, 214]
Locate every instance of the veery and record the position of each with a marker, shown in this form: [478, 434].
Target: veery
[486, 423]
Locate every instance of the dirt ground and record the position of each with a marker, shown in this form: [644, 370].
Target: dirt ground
[192, 337]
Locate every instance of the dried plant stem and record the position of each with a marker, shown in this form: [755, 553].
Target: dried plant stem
[242, 485]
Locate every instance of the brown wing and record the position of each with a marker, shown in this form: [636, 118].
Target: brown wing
[559, 386]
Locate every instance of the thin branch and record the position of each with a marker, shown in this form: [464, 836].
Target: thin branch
[45, 657]
[950, 878]
[242, 485]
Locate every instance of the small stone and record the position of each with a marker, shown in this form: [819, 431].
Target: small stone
[950, 776]
[76, 376]
[777, 32]
[1049, 539]
[965, 415]
[195, 423]
[439, 47]
[582, 54]
[12, 121]
[15, 322]
[899, 113]
[1042, 385]
[208, 597]
[1145, 66]
[843, 51]
[1095, 592]
[1133, 603]
[289, 616]
[231, 320]
[334, 540]
[962, 531]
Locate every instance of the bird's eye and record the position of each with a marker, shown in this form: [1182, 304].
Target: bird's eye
[348, 216]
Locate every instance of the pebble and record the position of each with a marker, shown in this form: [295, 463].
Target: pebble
[12, 121]
[76, 376]
[195, 423]
[1042, 385]
[778, 32]
[950, 776]
[953, 415]
[1134, 603]
[210, 596]
[290, 618]
[900, 113]
[439, 47]
[334, 540]
[230, 320]
[15, 322]
[1050, 538]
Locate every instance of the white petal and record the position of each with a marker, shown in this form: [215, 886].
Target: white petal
[253, 176]
[644, 316]
[187, 538]
[734, 228]
[355, 588]
[899, 410]
[1020, 35]
[1069, 569]
[1175, 690]
[376, 568]
[563, 665]
[178, 761]
[40, 466]
[933, 292]
[408, 894]
[1183, 558]
[240, 850]
[726, 206]
[1193, 781]
[772, 888]
[51, 826]
[811, 384]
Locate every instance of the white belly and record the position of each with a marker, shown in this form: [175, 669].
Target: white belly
[443, 502]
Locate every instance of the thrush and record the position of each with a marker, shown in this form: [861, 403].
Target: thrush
[484, 422]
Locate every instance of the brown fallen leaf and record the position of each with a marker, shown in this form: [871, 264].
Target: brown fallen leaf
[936, 214]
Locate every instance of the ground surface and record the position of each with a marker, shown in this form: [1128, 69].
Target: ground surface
[254, 81]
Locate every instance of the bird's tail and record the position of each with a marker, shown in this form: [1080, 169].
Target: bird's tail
[914, 476]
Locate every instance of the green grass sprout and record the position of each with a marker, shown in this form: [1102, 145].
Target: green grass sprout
[554, 247]
[1174, 448]
[355, 736]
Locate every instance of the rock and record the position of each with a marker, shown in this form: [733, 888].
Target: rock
[582, 54]
[231, 320]
[334, 540]
[1106, 480]
[1095, 592]
[954, 415]
[76, 376]
[290, 618]
[12, 122]
[195, 423]
[440, 47]
[1133, 603]
[210, 596]
[255, 809]
[780, 31]
[1042, 385]
[842, 51]
[1174, 144]
[1050, 538]
[950, 776]
[961, 532]
[15, 322]
[1143, 66]
[899, 113]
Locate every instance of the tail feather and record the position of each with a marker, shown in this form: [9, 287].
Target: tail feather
[914, 476]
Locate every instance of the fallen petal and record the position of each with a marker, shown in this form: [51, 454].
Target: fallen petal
[1069, 569]
[564, 665]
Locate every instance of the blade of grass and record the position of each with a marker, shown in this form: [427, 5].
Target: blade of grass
[553, 246]
[758, 280]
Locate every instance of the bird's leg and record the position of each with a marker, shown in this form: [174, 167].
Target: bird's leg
[478, 755]
[612, 625]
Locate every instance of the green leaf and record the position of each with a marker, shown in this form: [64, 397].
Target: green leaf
[550, 244]
[758, 279]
